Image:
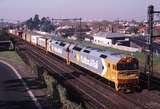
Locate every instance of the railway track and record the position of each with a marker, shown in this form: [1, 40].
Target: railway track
[86, 90]
[102, 100]
[121, 100]
[155, 81]
[150, 99]
[102, 91]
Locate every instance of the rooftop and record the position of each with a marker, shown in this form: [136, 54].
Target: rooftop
[110, 35]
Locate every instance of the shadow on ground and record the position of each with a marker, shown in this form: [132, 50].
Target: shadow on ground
[17, 86]
[17, 105]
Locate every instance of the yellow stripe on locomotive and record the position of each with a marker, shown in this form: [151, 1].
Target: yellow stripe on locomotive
[121, 70]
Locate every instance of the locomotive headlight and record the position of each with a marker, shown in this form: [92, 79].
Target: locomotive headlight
[137, 77]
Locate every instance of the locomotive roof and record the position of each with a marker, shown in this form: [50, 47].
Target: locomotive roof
[114, 57]
[110, 35]
[111, 56]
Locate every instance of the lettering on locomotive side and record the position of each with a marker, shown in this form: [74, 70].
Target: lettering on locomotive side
[91, 62]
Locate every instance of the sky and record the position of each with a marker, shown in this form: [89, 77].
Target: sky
[86, 9]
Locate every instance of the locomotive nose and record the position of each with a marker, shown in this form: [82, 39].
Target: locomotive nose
[128, 79]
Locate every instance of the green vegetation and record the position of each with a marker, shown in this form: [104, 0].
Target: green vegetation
[44, 24]
[67, 104]
[11, 56]
[58, 95]
[140, 56]
[156, 64]
[156, 60]
[3, 36]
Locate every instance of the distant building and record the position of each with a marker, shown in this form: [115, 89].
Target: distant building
[73, 37]
[88, 38]
[41, 32]
[109, 39]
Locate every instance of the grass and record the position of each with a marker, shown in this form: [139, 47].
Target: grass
[156, 64]
[11, 56]
[140, 56]
[156, 61]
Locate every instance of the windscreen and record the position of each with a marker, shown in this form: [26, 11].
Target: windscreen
[128, 66]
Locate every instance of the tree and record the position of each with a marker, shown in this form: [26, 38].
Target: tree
[36, 22]
[43, 24]
[46, 25]
[29, 24]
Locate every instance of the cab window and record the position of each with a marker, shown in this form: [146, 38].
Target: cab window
[128, 66]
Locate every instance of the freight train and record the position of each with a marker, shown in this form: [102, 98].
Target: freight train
[119, 69]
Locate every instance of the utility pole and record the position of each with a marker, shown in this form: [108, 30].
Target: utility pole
[2, 23]
[149, 51]
[52, 21]
[80, 22]
[18, 24]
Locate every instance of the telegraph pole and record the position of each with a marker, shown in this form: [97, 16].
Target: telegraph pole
[18, 24]
[149, 51]
[2, 23]
[80, 22]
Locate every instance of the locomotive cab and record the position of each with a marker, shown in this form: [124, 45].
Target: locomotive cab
[127, 73]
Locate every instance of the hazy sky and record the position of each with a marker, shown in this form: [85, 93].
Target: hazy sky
[87, 9]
